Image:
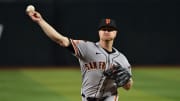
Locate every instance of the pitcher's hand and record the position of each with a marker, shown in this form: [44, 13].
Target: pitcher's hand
[35, 16]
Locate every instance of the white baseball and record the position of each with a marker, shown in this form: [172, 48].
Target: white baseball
[30, 8]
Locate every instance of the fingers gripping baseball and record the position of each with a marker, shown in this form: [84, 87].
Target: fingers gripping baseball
[34, 15]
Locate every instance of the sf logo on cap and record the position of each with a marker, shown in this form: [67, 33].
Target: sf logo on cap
[108, 21]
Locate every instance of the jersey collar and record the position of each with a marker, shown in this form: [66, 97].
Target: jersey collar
[115, 51]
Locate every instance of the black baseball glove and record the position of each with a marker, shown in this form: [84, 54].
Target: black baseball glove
[120, 75]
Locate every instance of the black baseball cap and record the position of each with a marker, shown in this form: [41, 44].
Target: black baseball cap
[107, 23]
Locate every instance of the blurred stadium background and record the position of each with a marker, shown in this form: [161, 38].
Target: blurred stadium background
[32, 67]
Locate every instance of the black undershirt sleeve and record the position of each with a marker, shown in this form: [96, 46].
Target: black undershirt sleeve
[70, 47]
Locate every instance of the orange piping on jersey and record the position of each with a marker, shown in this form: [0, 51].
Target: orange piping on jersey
[74, 42]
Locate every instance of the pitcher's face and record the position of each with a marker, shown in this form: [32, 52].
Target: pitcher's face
[107, 34]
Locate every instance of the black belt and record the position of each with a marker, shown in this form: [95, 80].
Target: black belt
[97, 99]
[93, 98]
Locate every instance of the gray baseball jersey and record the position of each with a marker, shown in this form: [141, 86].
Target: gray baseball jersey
[93, 61]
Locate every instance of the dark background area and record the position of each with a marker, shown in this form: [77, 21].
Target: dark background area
[149, 30]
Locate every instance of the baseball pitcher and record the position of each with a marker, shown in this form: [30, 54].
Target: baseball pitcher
[104, 69]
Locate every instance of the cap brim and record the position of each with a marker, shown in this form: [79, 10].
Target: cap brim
[108, 27]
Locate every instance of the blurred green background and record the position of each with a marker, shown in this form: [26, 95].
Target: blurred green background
[150, 84]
